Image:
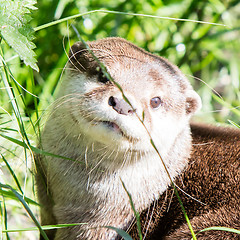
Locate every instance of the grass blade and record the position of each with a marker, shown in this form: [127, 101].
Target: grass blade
[136, 214]
[122, 233]
[12, 173]
[234, 124]
[121, 13]
[226, 229]
[46, 227]
[25, 205]
[10, 194]
[34, 149]
[227, 105]
[3, 211]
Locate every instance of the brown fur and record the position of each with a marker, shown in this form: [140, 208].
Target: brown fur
[212, 177]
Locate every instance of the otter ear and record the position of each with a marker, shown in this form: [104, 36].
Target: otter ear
[81, 59]
[77, 58]
[193, 102]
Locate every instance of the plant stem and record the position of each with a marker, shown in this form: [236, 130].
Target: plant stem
[121, 13]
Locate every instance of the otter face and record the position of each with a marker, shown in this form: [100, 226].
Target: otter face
[159, 94]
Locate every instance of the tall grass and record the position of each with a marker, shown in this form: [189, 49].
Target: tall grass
[206, 54]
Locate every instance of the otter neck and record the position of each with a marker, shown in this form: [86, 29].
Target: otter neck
[146, 173]
[138, 170]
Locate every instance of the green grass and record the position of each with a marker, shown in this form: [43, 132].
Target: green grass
[207, 52]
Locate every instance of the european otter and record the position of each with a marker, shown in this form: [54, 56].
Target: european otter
[92, 124]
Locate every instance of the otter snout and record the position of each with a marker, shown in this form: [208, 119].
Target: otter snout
[120, 106]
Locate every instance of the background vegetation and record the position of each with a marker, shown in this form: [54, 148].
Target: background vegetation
[208, 54]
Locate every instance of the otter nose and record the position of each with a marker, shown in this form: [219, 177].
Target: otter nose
[120, 106]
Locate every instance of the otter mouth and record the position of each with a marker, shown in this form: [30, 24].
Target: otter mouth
[113, 126]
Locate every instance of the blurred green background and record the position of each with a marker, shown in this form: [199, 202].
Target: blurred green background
[209, 55]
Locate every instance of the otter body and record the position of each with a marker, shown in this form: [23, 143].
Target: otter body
[92, 124]
[212, 178]
[211, 189]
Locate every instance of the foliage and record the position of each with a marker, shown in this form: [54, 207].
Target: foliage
[15, 28]
[208, 54]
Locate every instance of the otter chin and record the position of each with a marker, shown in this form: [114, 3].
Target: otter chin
[106, 138]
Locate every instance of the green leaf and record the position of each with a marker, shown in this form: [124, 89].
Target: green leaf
[15, 28]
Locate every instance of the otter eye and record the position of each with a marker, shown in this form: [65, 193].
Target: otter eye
[102, 78]
[155, 102]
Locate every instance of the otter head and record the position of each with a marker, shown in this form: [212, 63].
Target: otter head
[158, 93]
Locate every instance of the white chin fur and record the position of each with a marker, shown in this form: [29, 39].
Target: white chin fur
[122, 139]
[132, 134]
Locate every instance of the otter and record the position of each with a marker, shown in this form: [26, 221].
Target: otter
[92, 124]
